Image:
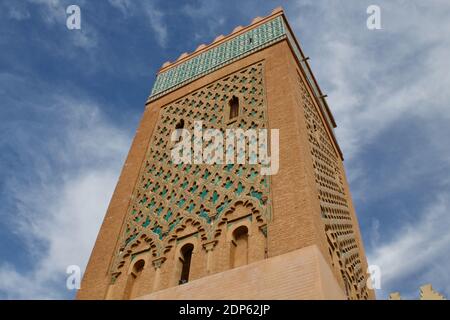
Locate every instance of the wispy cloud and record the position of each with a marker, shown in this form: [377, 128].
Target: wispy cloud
[373, 78]
[149, 11]
[123, 5]
[53, 13]
[17, 12]
[59, 198]
[157, 22]
[211, 14]
[417, 250]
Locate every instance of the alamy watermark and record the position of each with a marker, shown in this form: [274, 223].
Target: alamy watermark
[374, 278]
[73, 21]
[238, 146]
[73, 281]
[374, 20]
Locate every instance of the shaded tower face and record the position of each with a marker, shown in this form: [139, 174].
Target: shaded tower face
[208, 227]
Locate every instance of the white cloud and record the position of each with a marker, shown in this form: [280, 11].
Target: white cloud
[154, 16]
[53, 10]
[373, 78]
[86, 39]
[18, 14]
[422, 246]
[59, 211]
[53, 13]
[122, 5]
[211, 17]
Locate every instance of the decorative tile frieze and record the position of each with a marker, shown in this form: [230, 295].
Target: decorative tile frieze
[235, 48]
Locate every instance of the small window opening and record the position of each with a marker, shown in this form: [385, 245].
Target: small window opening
[234, 107]
[179, 126]
[239, 247]
[186, 255]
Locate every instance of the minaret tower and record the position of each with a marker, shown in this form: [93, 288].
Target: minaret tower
[225, 231]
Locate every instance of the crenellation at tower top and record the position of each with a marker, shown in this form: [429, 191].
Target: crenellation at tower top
[167, 64]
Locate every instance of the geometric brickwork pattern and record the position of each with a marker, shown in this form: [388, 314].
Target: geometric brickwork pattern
[225, 53]
[168, 196]
[342, 246]
[231, 50]
[310, 78]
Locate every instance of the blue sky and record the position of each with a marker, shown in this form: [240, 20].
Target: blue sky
[71, 101]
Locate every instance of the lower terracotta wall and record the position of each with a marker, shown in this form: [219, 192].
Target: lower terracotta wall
[300, 274]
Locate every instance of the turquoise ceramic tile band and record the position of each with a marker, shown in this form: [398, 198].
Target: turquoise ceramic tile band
[210, 60]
